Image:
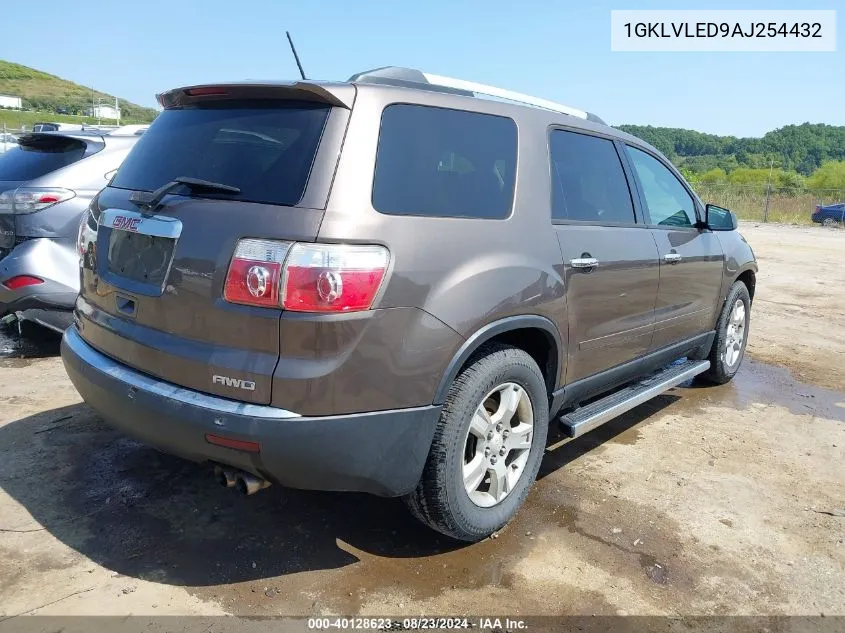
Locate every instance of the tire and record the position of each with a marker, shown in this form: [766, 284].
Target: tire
[721, 369]
[442, 500]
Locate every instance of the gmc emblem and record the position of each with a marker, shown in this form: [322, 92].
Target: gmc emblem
[126, 224]
[237, 383]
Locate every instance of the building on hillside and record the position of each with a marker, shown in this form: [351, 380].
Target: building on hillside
[7, 101]
[103, 112]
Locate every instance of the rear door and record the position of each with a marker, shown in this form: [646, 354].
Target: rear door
[691, 258]
[610, 258]
[153, 283]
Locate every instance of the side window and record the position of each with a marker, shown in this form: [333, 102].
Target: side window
[444, 163]
[588, 182]
[669, 203]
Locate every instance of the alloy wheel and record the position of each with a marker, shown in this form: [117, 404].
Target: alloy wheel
[498, 444]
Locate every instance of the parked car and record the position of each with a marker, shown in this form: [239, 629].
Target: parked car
[393, 285]
[830, 215]
[55, 126]
[46, 182]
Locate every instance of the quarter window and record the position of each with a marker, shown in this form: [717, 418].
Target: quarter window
[588, 182]
[444, 163]
[668, 202]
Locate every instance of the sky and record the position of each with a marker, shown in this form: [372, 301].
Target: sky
[558, 50]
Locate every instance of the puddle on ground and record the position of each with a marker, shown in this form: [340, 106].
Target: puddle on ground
[756, 384]
[759, 383]
[629, 437]
[147, 515]
[19, 349]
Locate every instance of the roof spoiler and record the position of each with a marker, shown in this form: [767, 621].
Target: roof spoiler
[338, 95]
[412, 78]
[93, 142]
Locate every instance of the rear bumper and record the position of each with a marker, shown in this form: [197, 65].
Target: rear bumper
[382, 453]
[51, 318]
[54, 262]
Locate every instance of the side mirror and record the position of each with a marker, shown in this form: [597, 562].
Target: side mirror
[719, 219]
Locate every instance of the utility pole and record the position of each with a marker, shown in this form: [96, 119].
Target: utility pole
[117, 110]
[768, 191]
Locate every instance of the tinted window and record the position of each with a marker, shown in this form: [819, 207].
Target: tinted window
[36, 156]
[264, 149]
[588, 182]
[450, 163]
[668, 202]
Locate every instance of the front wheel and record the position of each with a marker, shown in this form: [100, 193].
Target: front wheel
[487, 447]
[731, 336]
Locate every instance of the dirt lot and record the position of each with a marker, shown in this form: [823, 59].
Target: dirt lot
[727, 500]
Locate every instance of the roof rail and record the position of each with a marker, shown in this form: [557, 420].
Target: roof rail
[412, 78]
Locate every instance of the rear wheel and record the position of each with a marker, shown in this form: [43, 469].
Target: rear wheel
[831, 222]
[731, 336]
[487, 447]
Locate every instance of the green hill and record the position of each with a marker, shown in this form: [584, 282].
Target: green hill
[799, 148]
[44, 95]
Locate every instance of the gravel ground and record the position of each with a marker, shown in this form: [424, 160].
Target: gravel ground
[725, 500]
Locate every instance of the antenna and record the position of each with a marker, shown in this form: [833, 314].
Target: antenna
[295, 56]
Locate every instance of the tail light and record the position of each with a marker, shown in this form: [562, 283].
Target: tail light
[32, 199]
[7, 201]
[333, 277]
[80, 234]
[255, 271]
[306, 277]
[21, 281]
[86, 235]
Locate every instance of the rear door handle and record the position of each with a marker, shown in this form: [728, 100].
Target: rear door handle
[672, 258]
[584, 262]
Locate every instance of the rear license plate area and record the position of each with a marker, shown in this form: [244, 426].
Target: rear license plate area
[139, 250]
[141, 258]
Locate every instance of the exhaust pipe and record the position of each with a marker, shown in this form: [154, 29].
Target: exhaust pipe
[225, 476]
[250, 484]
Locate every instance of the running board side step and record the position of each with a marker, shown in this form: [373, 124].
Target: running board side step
[586, 418]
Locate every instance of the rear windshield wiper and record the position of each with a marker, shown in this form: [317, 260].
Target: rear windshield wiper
[151, 199]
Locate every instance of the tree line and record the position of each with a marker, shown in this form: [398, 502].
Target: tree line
[794, 158]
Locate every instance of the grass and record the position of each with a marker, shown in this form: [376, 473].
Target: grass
[749, 204]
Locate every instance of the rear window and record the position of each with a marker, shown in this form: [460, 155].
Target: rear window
[36, 156]
[445, 163]
[588, 182]
[265, 148]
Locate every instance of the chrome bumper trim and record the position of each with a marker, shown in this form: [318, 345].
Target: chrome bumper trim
[142, 382]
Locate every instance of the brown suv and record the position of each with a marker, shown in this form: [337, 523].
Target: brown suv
[393, 285]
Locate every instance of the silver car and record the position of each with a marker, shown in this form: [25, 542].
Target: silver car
[46, 181]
